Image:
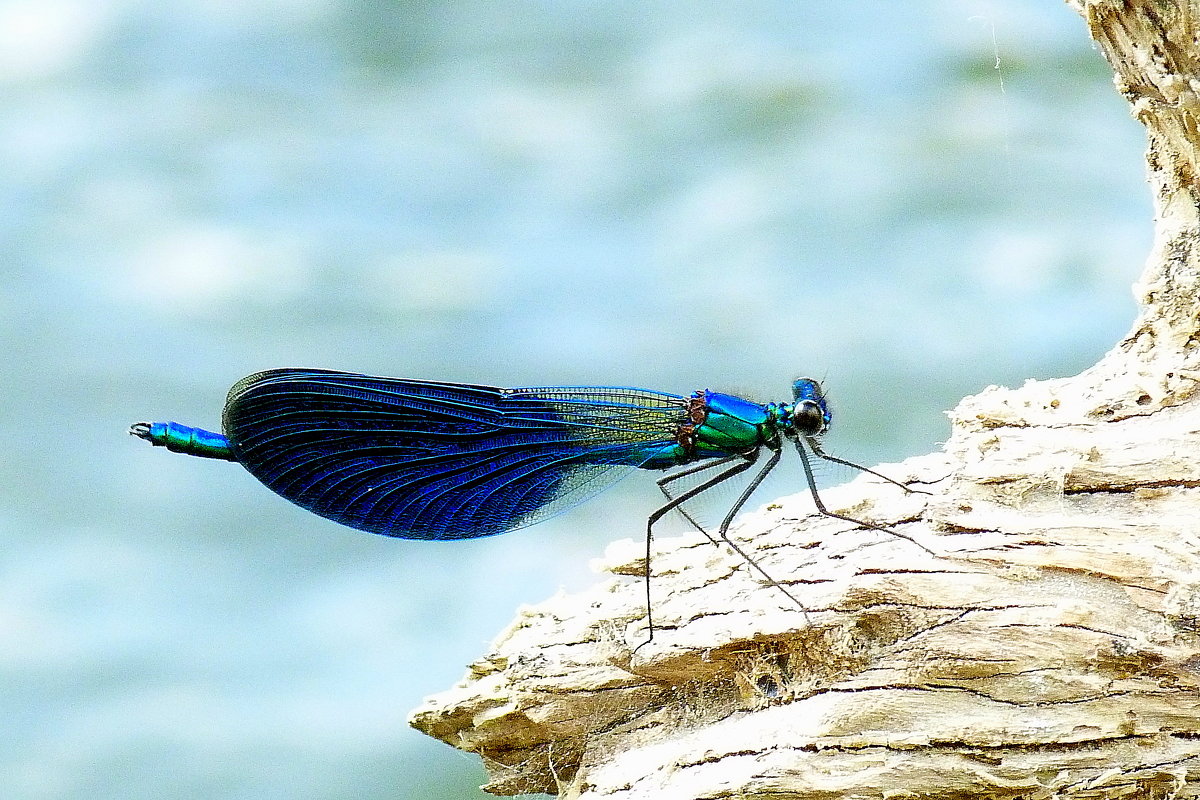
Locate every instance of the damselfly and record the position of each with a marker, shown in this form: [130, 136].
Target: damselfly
[427, 460]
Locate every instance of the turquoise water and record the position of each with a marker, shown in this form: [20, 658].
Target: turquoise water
[676, 196]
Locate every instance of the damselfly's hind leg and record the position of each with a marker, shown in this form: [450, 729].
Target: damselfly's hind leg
[675, 502]
[666, 480]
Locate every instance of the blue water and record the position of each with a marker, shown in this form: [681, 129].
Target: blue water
[519, 193]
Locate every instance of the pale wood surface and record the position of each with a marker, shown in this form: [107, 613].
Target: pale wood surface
[1051, 648]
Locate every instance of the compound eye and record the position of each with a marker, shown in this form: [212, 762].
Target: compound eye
[808, 418]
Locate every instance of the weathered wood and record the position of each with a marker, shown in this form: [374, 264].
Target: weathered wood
[1050, 649]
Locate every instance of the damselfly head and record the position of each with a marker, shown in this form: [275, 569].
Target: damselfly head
[810, 414]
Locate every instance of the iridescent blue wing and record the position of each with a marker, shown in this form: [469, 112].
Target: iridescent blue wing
[425, 460]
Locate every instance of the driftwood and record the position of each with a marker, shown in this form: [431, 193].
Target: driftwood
[1050, 649]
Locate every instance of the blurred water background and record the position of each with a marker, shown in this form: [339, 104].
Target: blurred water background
[908, 200]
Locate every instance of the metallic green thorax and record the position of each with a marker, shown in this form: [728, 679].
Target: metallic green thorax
[718, 425]
[731, 424]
